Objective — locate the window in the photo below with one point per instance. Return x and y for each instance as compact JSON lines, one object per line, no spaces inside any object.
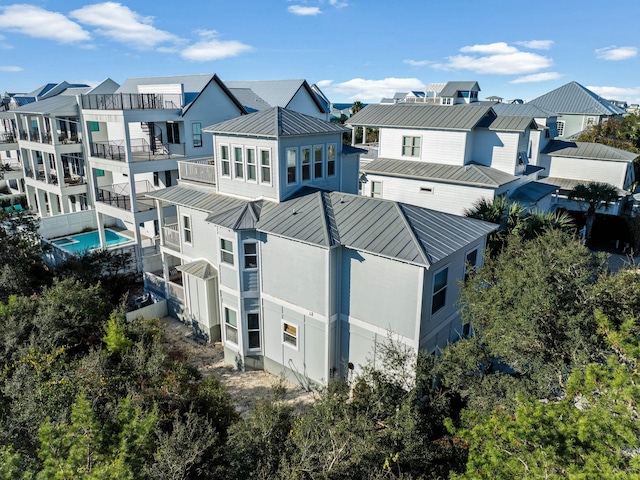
{"x":156,"y":179}
{"x":173,"y":132}
{"x":446,"y":101}
{"x":290,"y":334}
{"x":305,"y":153}
{"x":94,"y":126}
{"x":471,"y":260}
{"x":411,"y":146}
{"x":591,"y":121}
{"x":318,"y":161}
{"x":291,"y":166}
{"x":439,"y":298}
{"x":560,"y":128}
{"x":376,"y":189}
{"x":225,"y":165}
{"x":186,"y":228}
{"x":196,"y":130}
{"x":251,"y":255}
{"x":99,"y":172}
{"x":231,"y":325}
{"x":253,"y":329}
{"x":265,"y":166}
{"x":238,"y":169}
{"x":226,"y":251}
{"x":331,"y":160}
{"x":251,"y":164}
{"x":167,"y":178}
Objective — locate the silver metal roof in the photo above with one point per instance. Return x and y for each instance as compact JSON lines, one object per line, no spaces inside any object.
{"x":450,"y":89}
{"x":573,"y":98}
{"x":522,"y":109}
{"x":58,"y":105}
{"x":593,"y":151}
{"x":510,"y":123}
{"x":533,"y":191}
{"x":250,"y":99}
{"x":190,"y":83}
{"x":473,"y":175}
{"x":566,"y":184}
{"x":200,"y":268}
{"x":276,"y":122}
{"x":381,"y":227}
{"x":277,"y":93}
{"x":417,"y":115}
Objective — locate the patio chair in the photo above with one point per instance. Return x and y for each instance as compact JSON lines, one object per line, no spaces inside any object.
{"x":18,"y":208}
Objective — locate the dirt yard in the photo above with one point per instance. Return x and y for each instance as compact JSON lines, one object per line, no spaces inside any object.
{"x":245,"y":387}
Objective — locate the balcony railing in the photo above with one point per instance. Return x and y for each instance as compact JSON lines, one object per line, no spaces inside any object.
{"x":65,"y":138}
{"x":122,"y":201}
{"x":132,"y":101}
{"x":171,"y":236}
{"x":203,"y":171}
{"x":110,"y":151}
{"x":8,"y":138}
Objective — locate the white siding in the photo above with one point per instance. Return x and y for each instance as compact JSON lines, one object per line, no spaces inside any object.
{"x":588,"y":170}
{"x":498,"y":150}
{"x":436,"y":146}
{"x":303,"y":103}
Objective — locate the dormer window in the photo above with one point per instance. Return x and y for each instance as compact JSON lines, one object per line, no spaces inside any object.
{"x":446,"y":101}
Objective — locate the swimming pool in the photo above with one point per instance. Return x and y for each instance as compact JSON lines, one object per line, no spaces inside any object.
{"x":83,"y":242}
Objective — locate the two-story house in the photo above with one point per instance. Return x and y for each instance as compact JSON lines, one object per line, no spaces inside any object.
{"x":294,"y":272}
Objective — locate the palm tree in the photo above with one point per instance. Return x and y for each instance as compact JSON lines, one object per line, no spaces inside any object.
{"x":356,"y":107}
{"x":594,"y":195}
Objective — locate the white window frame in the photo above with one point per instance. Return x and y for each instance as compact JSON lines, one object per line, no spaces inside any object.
{"x":195,"y":135}
{"x":317,"y":163}
{"x":187,"y":229}
{"x":226,"y":255}
{"x":309,"y":165}
{"x":412,"y":146}
{"x":228,"y":326}
{"x":288,"y":166}
{"x":375,"y":194}
{"x":296,"y":336}
{"x":560,"y":127}
{"x":264,"y":166}
{"x":238,"y":166}
{"x":224,"y":160}
{"x":253,"y":179}
{"x":253,"y":330}
{"x":331,"y":158}
{"x":442,"y":289}
{"x":245,"y":255}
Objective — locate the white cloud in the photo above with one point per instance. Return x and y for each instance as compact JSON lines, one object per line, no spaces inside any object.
{"x":300,"y":10}
{"x":496,"y":58}
{"x":122,"y":24}
{"x":324,"y":83}
{"x":538,"y":77}
{"x":338,"y":3}
{"x":616,"y":53}
{"x":628,"y":94}
{"x":10,"y":68}
{"x":40,"y":23}
{"x":498,"y":48}
{"x":536,"y":44}
{"x":372,"y":90}
{"x":214,"y":50}
{"x":417,"y":63}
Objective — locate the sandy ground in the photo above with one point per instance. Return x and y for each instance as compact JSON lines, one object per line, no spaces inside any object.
{"x":245,"y":387}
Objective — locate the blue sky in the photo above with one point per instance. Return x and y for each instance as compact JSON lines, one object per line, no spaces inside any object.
{"x":353,"y":49}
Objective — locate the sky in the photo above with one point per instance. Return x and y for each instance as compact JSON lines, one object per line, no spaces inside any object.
{"x":352,"y":49}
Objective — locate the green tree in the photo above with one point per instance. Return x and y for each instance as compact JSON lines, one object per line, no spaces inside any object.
{"x":356,"y":107}
{"x":593,"y":195}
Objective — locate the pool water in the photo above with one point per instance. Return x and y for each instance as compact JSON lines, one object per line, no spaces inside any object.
{"x":83,"y":242}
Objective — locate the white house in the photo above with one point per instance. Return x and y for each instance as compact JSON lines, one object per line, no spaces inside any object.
{"x":295,"y":273}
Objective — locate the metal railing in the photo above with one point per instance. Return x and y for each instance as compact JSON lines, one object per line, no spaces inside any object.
{"x":131,"y":101}
{"x":8,"y":138}
{"x":122,"y":201}
{"x":110,"y":151}
{"x":203,"y":171}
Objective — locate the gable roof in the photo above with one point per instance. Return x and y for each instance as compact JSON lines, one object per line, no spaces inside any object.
{"x":573,"y":98}
{"x":427,"y":116}
{"x":277,"y":93}
{"x":200,"y":268}
{"x":450,"y":89}
{"x":276,"y":122}
{"x":592,"y":151}
{"x":249,"y":99}
{"x":508,"y":123}
{"x":59,"y":105}
{"x":403,"y":232}
{"x":526,"y":109}
{"x":472,"y":175}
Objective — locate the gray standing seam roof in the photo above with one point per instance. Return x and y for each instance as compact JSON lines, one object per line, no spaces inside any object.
{"x":67,"y":103}
{"x":533,"y":191}
{"x":567,"y":184}
{"x":510,"y":123}
{"x":428,"y":116}
{"x":190,"y":83}
{"x":587,"y":150}
{"x":199,"y":268}
{"x":522,"y":109}
{"x":277,"y":93}
{"x":450,"y":89}
{"x":472,"y":175}
{"x":573,"y":98}
{"x":381,"y":227}
{"x":276,"y":122}
{"x":250,"y":99}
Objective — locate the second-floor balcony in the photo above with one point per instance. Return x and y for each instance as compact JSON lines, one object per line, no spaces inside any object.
{"x":119,"y":196}
{"x":141,"y":150}
{"x":132,"y":101}
{"x":202,"y":171}
{"x":172,"y":236}
{"x":8,"y":137}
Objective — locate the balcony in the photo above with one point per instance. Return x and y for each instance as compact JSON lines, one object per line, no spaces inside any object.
{"x":141,"y":150}
{"x":119,"y":196}
{"x":132,"y":101}
{"x":8,"y":138}
{"x":202,"y":171}
{"x":110,"y":151}
{"x":172,"y":236}
{"x":67,"y":139}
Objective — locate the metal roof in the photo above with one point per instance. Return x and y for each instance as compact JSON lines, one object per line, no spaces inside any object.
{"x":473,"y":175}
{"x":417,"y":115}
{"x":276,"y":122}
{"x":573,"y":98}
{"x":277,"y":93}
{"x":567,"y":184}
{"x":533,"y":191}
{"x":190,"y":83}
{"x":390,"y":229}
{"x":592,"y":151}
{"x":508,"y":123}
{"x":435,"y":87}
{"x":450,"y":89}
{"x":522,"y":109}
{"x":249,"y":99}
{"x":200,"y":268}
{"x":60,"y":104}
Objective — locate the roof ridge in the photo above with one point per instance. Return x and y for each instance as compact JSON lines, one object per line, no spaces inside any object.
{"x":412,"y":234}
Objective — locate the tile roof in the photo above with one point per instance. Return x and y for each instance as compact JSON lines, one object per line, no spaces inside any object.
{"x":593,"y":151}
{"x":416,"y":115}
{"x":274,"y":123}
{"x":472,"y":174}
{"x":573,"y":98}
